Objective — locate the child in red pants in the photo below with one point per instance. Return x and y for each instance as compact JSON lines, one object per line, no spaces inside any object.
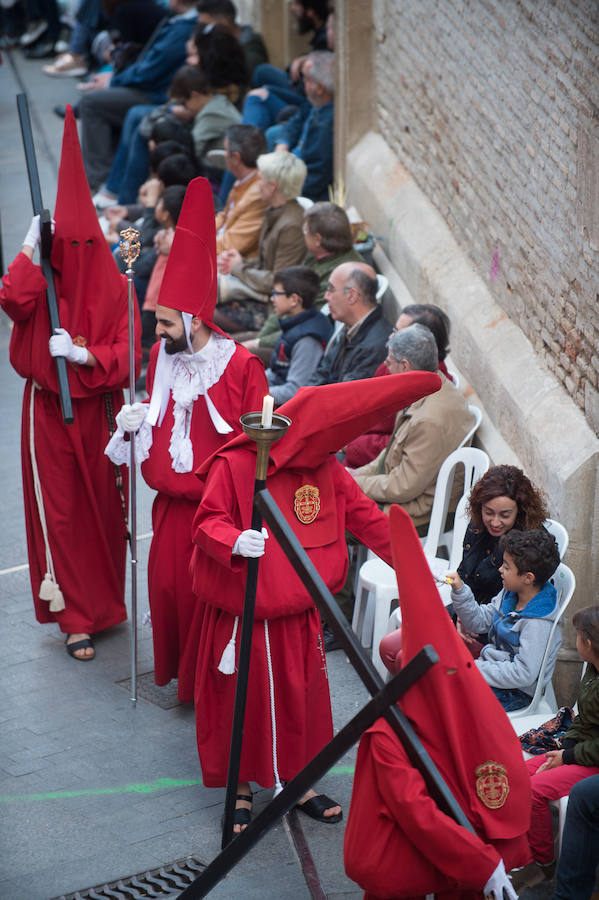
{"x":554,"y":773}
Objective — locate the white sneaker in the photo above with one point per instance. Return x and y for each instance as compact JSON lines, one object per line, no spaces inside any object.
{"x":67,"y":64}
{"x":33,"y":32}
{"x":103,"y":201}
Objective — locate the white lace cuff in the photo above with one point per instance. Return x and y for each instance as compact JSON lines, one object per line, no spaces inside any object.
{"x":119,"y":450}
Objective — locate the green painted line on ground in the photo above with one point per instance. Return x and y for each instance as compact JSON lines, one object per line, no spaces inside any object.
{"x":161,"y":784}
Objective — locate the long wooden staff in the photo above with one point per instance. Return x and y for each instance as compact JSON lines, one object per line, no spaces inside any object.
{"x":264,"y":435}
{"x":130,"y":246}
{"x":45,"y":250}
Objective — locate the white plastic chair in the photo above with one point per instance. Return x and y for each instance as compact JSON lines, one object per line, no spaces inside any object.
{"x":559,"y":533}
{"x":543,"y":700}
{"x":382,"y":285}
{"x":476,"y":463}
{"x":377,"y":588}
{"x":478,"y":417}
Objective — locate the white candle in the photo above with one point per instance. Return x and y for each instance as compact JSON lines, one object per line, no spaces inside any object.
{"x":267,"y":408}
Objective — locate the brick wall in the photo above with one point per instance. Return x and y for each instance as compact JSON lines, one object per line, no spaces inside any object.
{"x":493,"y":107}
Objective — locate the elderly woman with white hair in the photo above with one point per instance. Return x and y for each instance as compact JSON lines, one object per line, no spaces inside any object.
{"x":244,"y":285}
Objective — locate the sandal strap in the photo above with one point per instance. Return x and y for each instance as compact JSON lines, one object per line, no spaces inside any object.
{"x":246,"y":797}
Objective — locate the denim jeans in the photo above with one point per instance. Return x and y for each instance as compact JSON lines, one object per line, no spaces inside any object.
{"x":511,"y":699}
{"x":129,"y":167}
{"x":575,"y":877}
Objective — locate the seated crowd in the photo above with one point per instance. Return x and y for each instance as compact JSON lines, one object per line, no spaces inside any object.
{"x":195,"y":95}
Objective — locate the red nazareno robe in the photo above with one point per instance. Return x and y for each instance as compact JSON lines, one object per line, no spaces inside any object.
{"x":408,"y":847}
{"x":240,"y":389}
{"x":287,"y":639}
{"x":84,"y":515}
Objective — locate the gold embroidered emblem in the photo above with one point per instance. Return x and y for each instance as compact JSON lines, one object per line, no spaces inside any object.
{"x":306,"y":503}
{"x":80,"y":341}
{"x":492,"y":784}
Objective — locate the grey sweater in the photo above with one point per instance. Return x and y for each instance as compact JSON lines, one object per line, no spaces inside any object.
{"x":517,"y":640}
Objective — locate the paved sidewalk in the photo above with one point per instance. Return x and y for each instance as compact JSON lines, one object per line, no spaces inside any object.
{"x":91,"y":789}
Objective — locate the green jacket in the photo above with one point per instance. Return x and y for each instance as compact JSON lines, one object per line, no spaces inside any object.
{"x":585,"y":727}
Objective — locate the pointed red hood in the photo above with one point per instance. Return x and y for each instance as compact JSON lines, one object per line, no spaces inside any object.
{"x":454,"y":711}
{"x":326,"y":418}
{"x":88,"y":280}
{"x":190,"y":282}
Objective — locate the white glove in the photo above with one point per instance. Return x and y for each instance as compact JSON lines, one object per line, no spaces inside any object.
{"x":61,"y":344}
{"x":130,"y":418}
{"x":499,"y":885}
{"x":33,"y":236}
{"x":250,"y":543}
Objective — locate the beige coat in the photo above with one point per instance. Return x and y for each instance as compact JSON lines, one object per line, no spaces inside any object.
{"x":281,"y":245}
{"x":241,"y":219}
{"x":424,"y":435}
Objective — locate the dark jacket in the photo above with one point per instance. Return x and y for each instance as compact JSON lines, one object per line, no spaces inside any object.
{"x":479,"y":568}
{"x":349,"y":359}
{"x":154,"y":70}
{"x":581,"y":740}
{"x":309,"y":135}
{"x":310,"y":323}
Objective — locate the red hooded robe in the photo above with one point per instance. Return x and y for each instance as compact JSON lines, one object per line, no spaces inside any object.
{"x":82,"y":506}
{"x":398,"y":843}
{"x":288,"y":715}
{"x":190,"y":286}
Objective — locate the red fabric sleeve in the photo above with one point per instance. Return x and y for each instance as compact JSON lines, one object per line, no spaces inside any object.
{"x":22,"y":287}
{"x":368,"y":446}
{"x":363,"y":518}
{"x":214,"y":529}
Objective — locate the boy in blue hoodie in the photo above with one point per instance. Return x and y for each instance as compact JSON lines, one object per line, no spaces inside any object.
{"x":518,"y":620}
{"x":305,"y":331}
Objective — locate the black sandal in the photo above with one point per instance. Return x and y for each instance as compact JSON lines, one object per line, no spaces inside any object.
{"x":243,"y":816}
{"x":80,"y":645}
{"x":316,"y":807}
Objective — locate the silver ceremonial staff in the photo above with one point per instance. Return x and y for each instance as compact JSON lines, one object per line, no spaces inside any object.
{"x":130,"y":245}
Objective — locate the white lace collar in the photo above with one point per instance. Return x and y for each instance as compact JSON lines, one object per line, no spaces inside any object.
{"x":188,"y":376}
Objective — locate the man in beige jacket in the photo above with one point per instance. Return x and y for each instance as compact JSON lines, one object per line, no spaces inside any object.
{"x":238,"y":224}
{"x":425,"y":433}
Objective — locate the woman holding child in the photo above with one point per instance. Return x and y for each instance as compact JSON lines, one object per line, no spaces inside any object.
{"x":504,"y":498}
{"x":518,"y":619}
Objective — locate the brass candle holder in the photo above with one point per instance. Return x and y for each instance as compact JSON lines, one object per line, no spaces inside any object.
{"x":264,"y":437}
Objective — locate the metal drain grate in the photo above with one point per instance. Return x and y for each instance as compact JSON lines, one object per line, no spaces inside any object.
{"x":168,"y":881}
{"x":164,"y":697}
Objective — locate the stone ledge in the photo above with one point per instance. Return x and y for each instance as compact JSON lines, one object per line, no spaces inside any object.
{"x":525,"y":405}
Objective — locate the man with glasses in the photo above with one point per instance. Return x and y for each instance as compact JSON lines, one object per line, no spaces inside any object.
{"x":361,"y":344}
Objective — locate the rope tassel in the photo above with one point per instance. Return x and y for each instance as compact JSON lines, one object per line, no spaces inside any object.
{"x":227,"y":660}
{"x":49,"y":589}
{"x":50,"y":592}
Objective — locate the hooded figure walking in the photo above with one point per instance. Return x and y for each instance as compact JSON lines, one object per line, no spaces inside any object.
{"x":74,"y":498}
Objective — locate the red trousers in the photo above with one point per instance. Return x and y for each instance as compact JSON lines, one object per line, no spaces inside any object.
{"x":546,"y":786}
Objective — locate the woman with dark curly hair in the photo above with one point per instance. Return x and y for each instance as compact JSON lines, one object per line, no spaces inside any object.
{"x":504,"y":498}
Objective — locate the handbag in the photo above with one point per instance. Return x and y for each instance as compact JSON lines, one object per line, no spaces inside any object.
{"x":549,"y":735}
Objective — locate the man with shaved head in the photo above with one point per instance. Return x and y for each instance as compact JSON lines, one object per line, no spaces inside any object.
{"x":360,"y":346}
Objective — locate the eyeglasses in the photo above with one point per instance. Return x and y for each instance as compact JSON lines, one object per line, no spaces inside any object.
{"x":278,"y":293}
